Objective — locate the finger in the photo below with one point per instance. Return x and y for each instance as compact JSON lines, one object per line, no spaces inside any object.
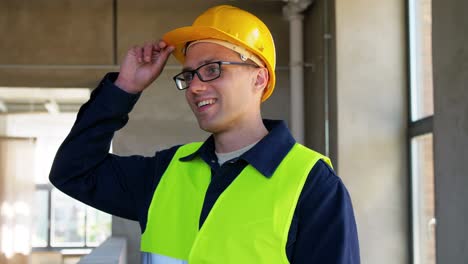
{"x":162,"y":54}
{"x":138,"y":51}
{"x":169,"y":50}
{"x":161,"y":57}
{"x":156,"y":46}
{"x":147,"y":52}
{"x":156,"y":50}
{"x":162,"y":44}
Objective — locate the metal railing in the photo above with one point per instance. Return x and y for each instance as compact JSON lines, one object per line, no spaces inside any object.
{"x":111,"y":251}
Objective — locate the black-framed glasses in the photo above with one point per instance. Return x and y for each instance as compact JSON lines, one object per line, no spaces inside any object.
{"x":206,"y":72}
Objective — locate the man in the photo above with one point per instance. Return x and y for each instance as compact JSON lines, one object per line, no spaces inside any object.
{"x":248,"y":194}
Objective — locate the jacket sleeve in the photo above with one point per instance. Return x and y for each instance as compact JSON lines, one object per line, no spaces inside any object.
{"x":326,"y":231}
{"x":84,"y":169}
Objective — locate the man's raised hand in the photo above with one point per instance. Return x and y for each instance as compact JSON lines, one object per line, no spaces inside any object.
{"x":142,"y":65}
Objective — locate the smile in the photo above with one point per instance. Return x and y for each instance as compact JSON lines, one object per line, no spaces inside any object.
{"x":206,"y":102}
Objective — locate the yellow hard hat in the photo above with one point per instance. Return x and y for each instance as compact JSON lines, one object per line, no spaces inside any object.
{"x":233,"y":25}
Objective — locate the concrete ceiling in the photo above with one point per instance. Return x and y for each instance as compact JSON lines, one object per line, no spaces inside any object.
{"x":27,"y":99}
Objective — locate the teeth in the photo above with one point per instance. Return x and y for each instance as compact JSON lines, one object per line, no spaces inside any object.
{"x":205,"y":102}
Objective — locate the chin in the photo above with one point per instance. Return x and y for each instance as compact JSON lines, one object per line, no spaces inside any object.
{"x":207,"y":128}
{"x":210,"y":127}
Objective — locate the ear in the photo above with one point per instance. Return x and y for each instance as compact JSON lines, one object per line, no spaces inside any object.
{"x":261,"y":80}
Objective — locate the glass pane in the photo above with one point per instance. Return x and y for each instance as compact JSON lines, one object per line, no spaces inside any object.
{"x":46,"y":148}
{"x":98,"y":226}
{"x":423,"y":199}
{"x":422,"y":99}
{"x":41,"y":220}
{"x":68,"y":221}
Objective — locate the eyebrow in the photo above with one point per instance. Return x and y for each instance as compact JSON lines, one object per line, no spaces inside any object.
{"x":203,"y":62}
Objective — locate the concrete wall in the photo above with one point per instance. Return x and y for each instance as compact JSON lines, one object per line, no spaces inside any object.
{"x":450,"y":66}
{"x":55,"y":43}
{"x":371,"y":120}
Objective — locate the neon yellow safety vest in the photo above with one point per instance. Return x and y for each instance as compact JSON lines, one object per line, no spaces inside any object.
{"x":249,"y":223}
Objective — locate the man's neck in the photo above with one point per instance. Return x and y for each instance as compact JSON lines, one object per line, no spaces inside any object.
{"x":240,"y":137}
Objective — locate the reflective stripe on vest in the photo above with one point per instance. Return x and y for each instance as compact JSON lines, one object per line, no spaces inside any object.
{"x":249,"y":223}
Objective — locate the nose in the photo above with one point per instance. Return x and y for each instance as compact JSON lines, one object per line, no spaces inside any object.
{"x":196,"y":86}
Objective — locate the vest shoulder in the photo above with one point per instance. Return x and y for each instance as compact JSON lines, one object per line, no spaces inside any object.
{"x":307,"y":151}
{"x":192,"y":144}
{"x":187,"y":149}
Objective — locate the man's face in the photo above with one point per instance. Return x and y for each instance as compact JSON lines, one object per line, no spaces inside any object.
{"x":228,"y":102}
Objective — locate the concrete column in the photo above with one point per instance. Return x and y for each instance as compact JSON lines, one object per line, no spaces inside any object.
{"x":371,"y":118}
{"x":293,"y":12}
{"x":450,"y":67}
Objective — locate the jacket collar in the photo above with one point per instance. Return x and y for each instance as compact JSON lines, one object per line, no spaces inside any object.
{"x":265,"y":156}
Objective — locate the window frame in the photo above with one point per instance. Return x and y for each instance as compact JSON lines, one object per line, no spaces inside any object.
{"x":417,"y":126}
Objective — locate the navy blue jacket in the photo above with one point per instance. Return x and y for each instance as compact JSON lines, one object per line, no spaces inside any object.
{"x":323,"y":229}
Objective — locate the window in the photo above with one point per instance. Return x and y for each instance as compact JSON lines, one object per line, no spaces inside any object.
{"x":63,"y":222}
{"x":421,"y":147}
{"x":46,"y":116}
{"x":41,"y":216}
{"x":422,"y":100}
{"x":73,"y":224}
{"x":423,"y":197}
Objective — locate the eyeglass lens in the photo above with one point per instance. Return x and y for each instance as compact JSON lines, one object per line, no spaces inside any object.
{"x":205,"y":73}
